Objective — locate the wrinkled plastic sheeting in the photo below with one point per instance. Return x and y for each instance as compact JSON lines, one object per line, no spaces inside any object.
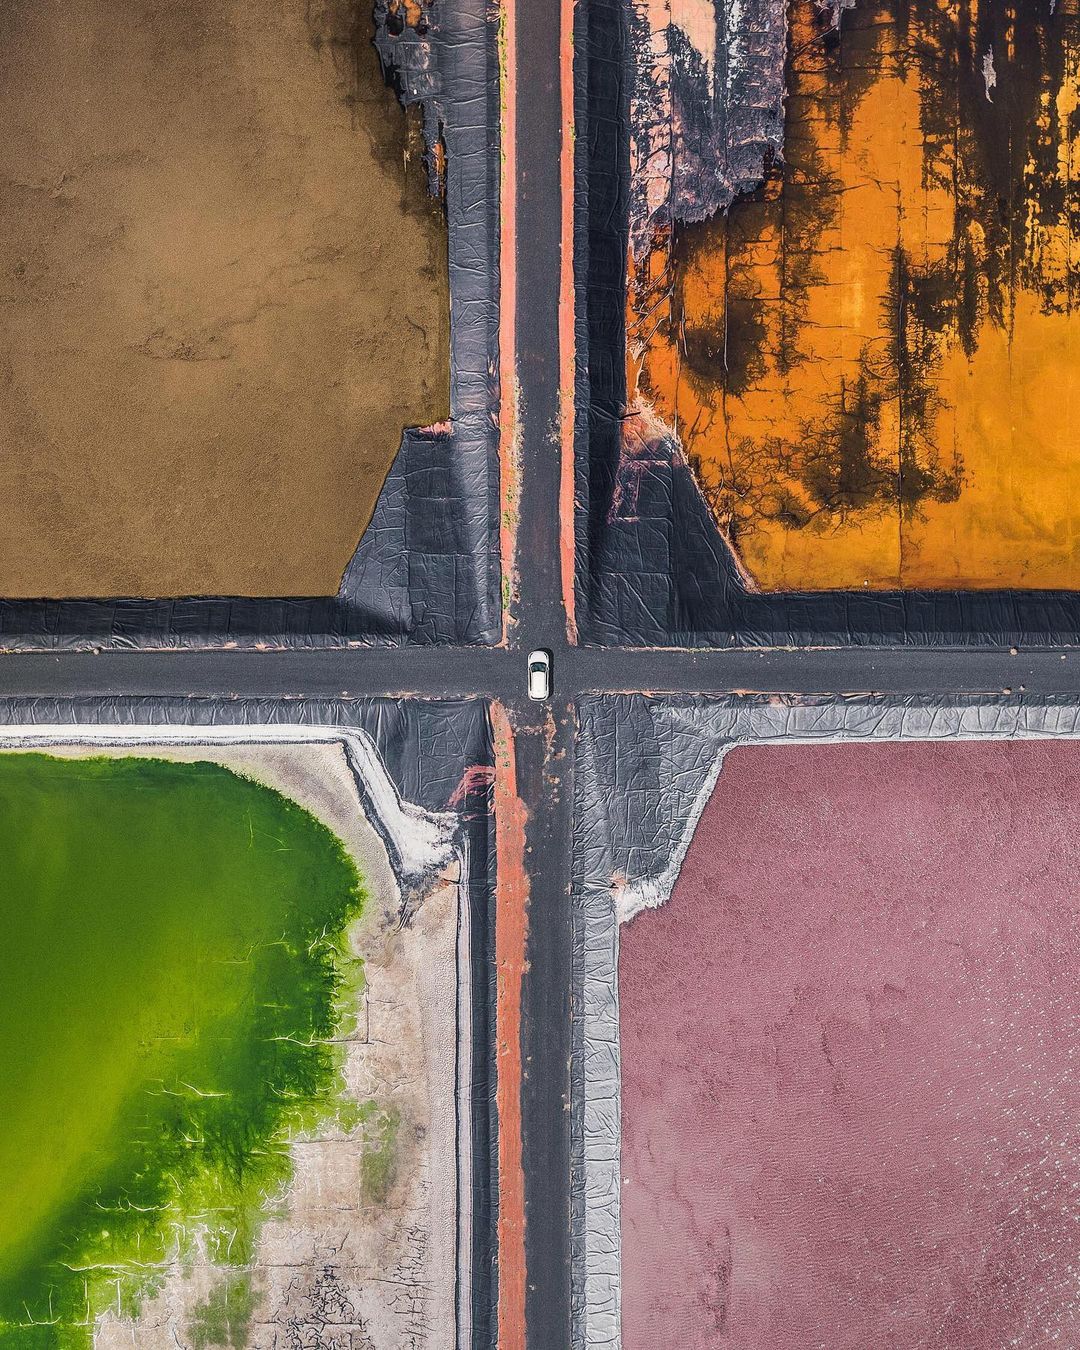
{"x":652,"y":569}
{"x":438,"y":757}
{"x":427,"y":567}
{"x":644,"y":771}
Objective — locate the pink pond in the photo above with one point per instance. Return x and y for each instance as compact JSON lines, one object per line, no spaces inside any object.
{"x":851,"y":1057}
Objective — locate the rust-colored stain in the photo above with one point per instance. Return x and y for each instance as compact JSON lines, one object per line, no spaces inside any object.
{"x":871,"y":360}
{"x":511,"y":926}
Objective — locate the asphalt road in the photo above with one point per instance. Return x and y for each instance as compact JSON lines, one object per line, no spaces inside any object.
{"x":544,"y":733}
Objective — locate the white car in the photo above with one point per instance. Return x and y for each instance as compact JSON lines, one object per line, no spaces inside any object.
{"x":539,"y":674}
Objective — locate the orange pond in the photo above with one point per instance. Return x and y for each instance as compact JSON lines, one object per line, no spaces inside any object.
{"x":872,"y":362}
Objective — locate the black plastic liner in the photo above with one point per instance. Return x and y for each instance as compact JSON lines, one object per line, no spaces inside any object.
{"x":440,"y":757}
{"x":663,"y":576}
{"x":427,"y":568}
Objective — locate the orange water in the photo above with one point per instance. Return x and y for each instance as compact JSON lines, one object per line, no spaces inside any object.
{"x":798,"y":281}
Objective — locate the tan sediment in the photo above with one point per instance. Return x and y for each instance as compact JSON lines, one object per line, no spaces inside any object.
{"x":394,"y":1259}
{"x":223,"y":290}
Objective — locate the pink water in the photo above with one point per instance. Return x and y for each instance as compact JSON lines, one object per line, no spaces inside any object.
{"x":851,"y":1057}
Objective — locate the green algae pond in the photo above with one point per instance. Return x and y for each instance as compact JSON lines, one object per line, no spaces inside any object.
{"x":174,"y":968}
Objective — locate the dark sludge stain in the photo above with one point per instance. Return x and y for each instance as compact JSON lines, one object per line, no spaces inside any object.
{"x":726,"y":348}
{"x":346,"y":28}
{"x":730,"y":349}
{"x":987,"y":75}
{"x":985,"y":79}
{"x":919,"y":304}
{"x":842,"y":468}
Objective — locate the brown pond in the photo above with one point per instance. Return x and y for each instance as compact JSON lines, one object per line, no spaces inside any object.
{"x":224,"y":295}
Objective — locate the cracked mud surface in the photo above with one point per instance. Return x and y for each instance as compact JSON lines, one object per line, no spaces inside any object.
{"x":848,"y":1056}
{"x":224,"y":295}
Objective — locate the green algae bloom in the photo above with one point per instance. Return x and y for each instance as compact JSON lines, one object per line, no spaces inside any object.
{"x":173,"y":968}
